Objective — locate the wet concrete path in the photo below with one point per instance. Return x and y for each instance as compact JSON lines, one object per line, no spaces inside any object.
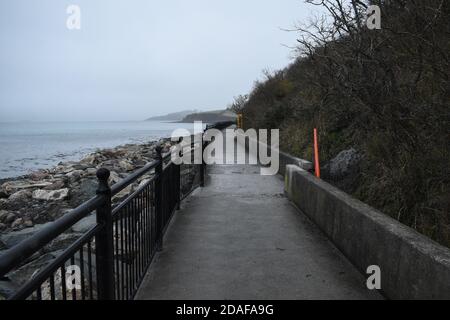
{"x":239,"y":237}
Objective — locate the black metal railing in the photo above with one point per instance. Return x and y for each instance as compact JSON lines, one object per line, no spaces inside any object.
{"x":111,"y":259}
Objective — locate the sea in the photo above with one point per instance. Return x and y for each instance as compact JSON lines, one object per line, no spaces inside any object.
{"x":28,"y":146}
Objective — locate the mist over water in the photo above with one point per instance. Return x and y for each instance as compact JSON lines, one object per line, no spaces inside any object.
{"x":29,"y":146}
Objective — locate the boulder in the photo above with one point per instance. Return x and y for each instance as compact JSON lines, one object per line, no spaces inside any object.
{"x":12,"y":281}
{"x":28,"y":224}
{"x":12,"y":187}
{"x":85,"y":224}
{"x":126,"y":165}
{"x":74,"y":175}
{"x":343,"y":164}
{"x":85,"y":191}
{"x":143,"y":183}
{"x":343,"y":170}
{"x":3,"y":203}
{"x":124,"y":193}
{"x":63,"y":168}
{"x":91,"y":171}
{"x":57,"y":185}
{"x":63,"y":241}
{"x":80,"y":166}
{"x":114,"y":178}
{"x":92,"y":159}
{"x":3,"y":215}
{"x":10,"y":217}
{"x":13,"y":238}
{"x":21,"y":195}
{"x":17,"y":223}
{"x":53,"y":195}
{"x":38,"y":175}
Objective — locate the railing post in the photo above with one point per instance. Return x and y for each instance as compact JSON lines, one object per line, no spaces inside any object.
{"x":178,"y":168}
{"x":159,"y":199}
{"x":202,"y":165}
{"x":104,"y":251}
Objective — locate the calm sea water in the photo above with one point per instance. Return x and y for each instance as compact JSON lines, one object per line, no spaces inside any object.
{"x":26,"y":147}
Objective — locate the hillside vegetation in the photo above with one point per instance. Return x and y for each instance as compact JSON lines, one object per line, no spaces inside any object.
{"x":385,"y":93}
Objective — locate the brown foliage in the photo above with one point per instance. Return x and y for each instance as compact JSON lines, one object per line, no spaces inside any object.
{"x":385,"y":92}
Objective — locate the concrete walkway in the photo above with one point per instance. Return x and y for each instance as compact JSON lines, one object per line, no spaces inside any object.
{"x":241,"y":238}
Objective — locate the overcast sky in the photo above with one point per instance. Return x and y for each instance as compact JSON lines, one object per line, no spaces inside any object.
{"x":136,"y":58}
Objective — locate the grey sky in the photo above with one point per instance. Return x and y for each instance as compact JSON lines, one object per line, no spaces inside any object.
{"x":136,"y":58}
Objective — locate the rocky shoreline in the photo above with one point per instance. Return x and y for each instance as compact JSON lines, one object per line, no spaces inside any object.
{"x":29,"y":202}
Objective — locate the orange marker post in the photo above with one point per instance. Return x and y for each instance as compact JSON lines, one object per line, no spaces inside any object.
{"x":316,"y":154}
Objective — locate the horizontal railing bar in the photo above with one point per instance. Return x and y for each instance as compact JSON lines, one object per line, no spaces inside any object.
{"x":17,"y":254}
{"x":115,"y":189}
{"x":13,"y":257}
{"x":29,"y":287}
{"x":131,"y":196}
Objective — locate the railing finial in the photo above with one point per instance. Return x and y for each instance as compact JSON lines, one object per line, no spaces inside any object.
{"x":103,"y":176}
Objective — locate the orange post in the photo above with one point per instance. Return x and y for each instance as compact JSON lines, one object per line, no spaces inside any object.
{"x":316,"y":154}
{"x":240,"y":122}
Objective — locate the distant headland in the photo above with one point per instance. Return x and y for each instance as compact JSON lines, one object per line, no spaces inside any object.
{"x":190,"y":116}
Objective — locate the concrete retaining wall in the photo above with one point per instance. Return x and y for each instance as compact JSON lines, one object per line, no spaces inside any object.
{"x":412,"y":265}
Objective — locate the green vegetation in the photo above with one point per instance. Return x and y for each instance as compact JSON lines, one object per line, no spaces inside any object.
{"x":385,"y":93}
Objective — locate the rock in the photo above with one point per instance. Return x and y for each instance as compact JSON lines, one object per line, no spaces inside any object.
{"x":7,"y":288}
{"x":54,"y":195}
{"x":28,"y":224}
{"x":92,"y":159}
{"x":63,"y":241}
{"x":59,"y":184}
{"x":124,"y":193}
{"x":80,"y":166}
{"x":63,"y":168}
{"x":3,"y":203}
{"x":12,"y":187}
{"x":38,"y":175}
{"x":10,"y":218}
{"x":84,"y":192}
{"x":26,"y":272}
{"x":91,"y":171}
{"x":112,"y":165}
{"x":22,"y":195}
{"x":113,"y":178}
{"x":140,"y":163}
{"x":74,"y":175}
{"x":343,"y":170}
{"x":85,"y":224}
{"x":343,"y":163}
{"x":13,"y":238}
{"x":17,"y":223}
{"x":143,"y":182}
{"x":3,"y":215}
{"x":2,"y":227}
{"x":3,"y":194}
{"x":126,"y":165}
